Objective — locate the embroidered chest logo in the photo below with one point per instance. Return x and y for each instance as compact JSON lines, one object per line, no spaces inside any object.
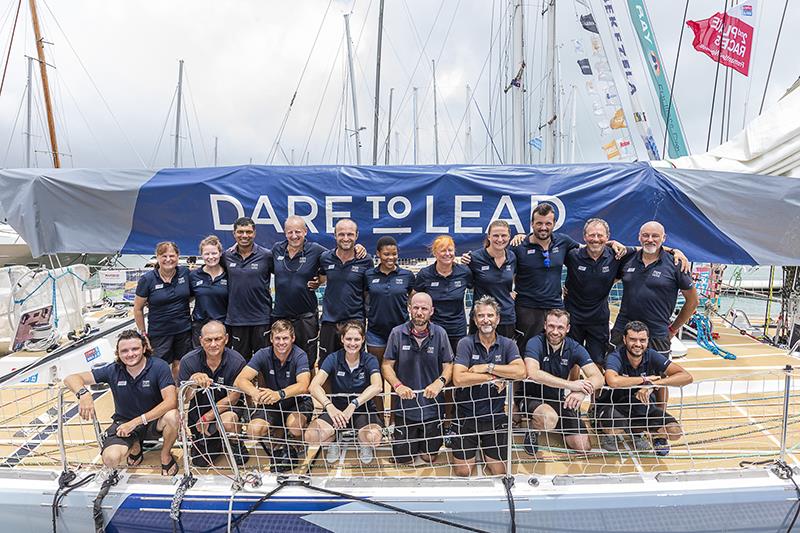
{"x":582,"y":268}
{"x":146,"y":383}
{"x":656,"y":274}
{"x":181,"y":280}
{"x":231,"y":265}
{"x":632,"y":269}
{"x":279,"y":258}
{"x":197,"y":284}
{"x":331,"y":267}
{"x":405,"y":347}
{"x":485,"y":267}
{"x":457,"y":284}
{"x":158,"y":286}
{"x":434,"y":284}
{"x":498,"y":357}
{"x":223,"y":282}
{"x":254,"y":266}
{"x":301,"y":260}
{"x":605,"y":269}
{"x":376,"y":280}
{"x":354,"y":269}
{"x":121,"y":383}
{"x":399,"y":281}
{"x":430,"y":349}
{"x":220,"y":379}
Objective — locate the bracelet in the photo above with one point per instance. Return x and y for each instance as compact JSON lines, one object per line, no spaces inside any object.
{"x":144,"y":420}
{"x":398,"y":384}
{"x":326,"y":405}
{"x":672,"y":330}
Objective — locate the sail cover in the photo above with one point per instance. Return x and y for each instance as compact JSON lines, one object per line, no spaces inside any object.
{"x":712,"y":216}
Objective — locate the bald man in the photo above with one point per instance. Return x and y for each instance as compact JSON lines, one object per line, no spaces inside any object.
{"x":651,"y":281}
{"x":417,"y":364}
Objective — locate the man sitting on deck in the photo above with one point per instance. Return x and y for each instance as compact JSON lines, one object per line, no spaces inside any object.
{"x":480,"y":359}
{"x":418,"y":356}
{"x":213,"y":364}
{"x":634,"y":409}
{"x":549,"y":357}
{"x":145,"y":402}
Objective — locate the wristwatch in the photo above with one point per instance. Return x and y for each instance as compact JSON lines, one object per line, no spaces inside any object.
{"x":490,"y":368}
{"x":282,"y":394}
{"x":81,"y":392}
{"x":354,"y":401}
{"x":443,"y":380}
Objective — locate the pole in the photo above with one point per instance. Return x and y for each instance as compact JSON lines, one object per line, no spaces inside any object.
{"x":468,"y":128}
{"x":551,"y":95}
{"x":416,"y":127}
{"x":769,"y":301}
{"x":377,"y":87}
{"x":48,"y":103}
{"x":178,"y":115}
{"x":389,"y":130}
{"x":353,"y":88}
{"x":510,"y":428}
{"x":573,"y":125}
{"x":216,"y":149}
{"x":518,"y":151}
{"x":435,"y":118}
{"x":787,"y":389}
{"x":28,"y":121}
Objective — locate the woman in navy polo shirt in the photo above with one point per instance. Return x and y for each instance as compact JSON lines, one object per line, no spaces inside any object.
{"x":447,"y":283}
{"x":209,"y":285}
{"x":493,"y":267}
{"x":355,"y":381}
{"x":165,"y":292}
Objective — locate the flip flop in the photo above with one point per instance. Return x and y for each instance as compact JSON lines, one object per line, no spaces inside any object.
{"x":166,"y":469}
{"x":135,"y":459}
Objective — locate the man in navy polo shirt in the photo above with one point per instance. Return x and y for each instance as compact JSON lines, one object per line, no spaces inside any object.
{"x":635,"y":409}
{"x":249,"y":300}
{"x":650,"y":285}
{"x":549,"y":358}
{"x":213,"y":364}
{"x":283,"y":367}
{"x":418,"y":365}
{"x":145,"y":402}
{"x":345,"y":286}
{"x":480,"y":359}
{"x":296,"y":262}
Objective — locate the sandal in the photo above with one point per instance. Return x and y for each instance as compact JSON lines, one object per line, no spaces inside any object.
{"x":135,"y":459}
{"x":167,"y":469}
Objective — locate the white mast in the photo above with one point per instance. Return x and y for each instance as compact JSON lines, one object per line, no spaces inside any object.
{"x":389,"y":128}
{"x":519,"y":152}
{"x":573,"y":124}
{"x":551,"y":94}
{"x":356,"y":128}
{"x":28,"y":123}
{"x":178,"y":114}
{"x":216,"y":149}
{"x":416,"y":127}
{"x":468,"y":128}
{"x":435,"y":118}
{"x":377,"y":87}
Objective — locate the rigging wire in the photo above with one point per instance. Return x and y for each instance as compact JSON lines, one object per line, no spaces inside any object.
{"x":10,"y":45}
{"x":13,"y":129}
{"x":282,"y":127}
{"x":772,"y":60}
{"x":189,"y":135}
{"x":716,"y":76}
{"x":322,"y":96}
{"x":196,"y":115}
{"x":674,"y":76}
{"x":163,"y":130}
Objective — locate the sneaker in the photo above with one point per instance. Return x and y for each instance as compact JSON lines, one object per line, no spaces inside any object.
{"x":280,"y":461}
{"x":450,"y":434}
{"x":365,"y":454}
{"x":240,"y":453}
{"x":640,"y":444}
{"x":531,"y":442}
{"x":332,"y":454}
{"x":661,"y":446}
{"x":610,"y":443}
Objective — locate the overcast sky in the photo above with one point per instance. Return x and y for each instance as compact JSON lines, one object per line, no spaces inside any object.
{"x":116,"y":66}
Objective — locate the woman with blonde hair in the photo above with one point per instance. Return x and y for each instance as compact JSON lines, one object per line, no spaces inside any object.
{"x":209,"y":285}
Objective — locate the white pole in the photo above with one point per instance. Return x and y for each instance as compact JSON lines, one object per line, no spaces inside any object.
{"x":216,"y":150}
{"x":573,"y":124}
{"x":416,"y":128}
{"x":518,"y":145}
{"x":435,"y":118}
{"x":389,"y":128}
{"x":28,"y":123}
{"x":353,"y":88}
{"x":468,"y":128}
{"x":178,"y":115}
{"x":551,"y":96}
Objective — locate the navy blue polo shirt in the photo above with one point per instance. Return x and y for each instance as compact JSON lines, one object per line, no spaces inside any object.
{"x":249,"y":298}
{"x":167,"y":303}
{"x":350,"y":382}
{"x":588,"y":283}
{"x":133,"y":397}
{"x":210,"y":295}
{"x":497,"y":282}
{"x":539,"y":287}
{"x":278,"y":376}
{"x":195,"y":361}
{"x":484,"y":399}
{"x":293,"y":298}
{"x":417,"y":365}
{"x":649,"y":294}
{"x":447,"y":294}
{"x":344,"y":288}
{"x":556,"y":363}
{"x":388,"y":299}
{"x":652,"y":364}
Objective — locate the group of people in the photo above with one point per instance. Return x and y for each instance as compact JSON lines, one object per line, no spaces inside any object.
{"x":383,"y":326}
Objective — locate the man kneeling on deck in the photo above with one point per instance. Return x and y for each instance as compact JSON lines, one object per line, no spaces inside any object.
{"x":145,"y":402}
{"x":418,"y":356}
{"x":286,"y":376}
{"x":213,"y":364}
{"x":480,"y":359}
{"x":549,"y":357}
{"x":633,"y":370}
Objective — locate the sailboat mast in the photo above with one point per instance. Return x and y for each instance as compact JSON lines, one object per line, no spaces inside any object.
{"x":28,"y":121}
{"x":518,"y":145}
{"x":435,"y":118}
{"x":389,"y":128}
{"x":551,"y":94}
{"x":178,"y":115}
{"x":356,"y":129}
{"x":468,"y":128}
{"x":377,"y":87}
{"x":573,"y":124}
{"x":51,"y":123}
{"x":416,"y":126}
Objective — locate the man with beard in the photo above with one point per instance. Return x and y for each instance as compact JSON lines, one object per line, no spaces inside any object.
{"x":249,"y":300}
{"x":345,"y":286}
{"x":549,"y":357}
{"x":418,"y":357}
{"x":145,"y":402}
{"x":483,"y":358}
{"x":635,"y":409}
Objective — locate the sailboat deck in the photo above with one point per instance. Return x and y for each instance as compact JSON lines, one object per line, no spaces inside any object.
{"x":732,"y":413}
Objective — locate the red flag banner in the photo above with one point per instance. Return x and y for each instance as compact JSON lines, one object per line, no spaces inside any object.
{"x":736,"y":41}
